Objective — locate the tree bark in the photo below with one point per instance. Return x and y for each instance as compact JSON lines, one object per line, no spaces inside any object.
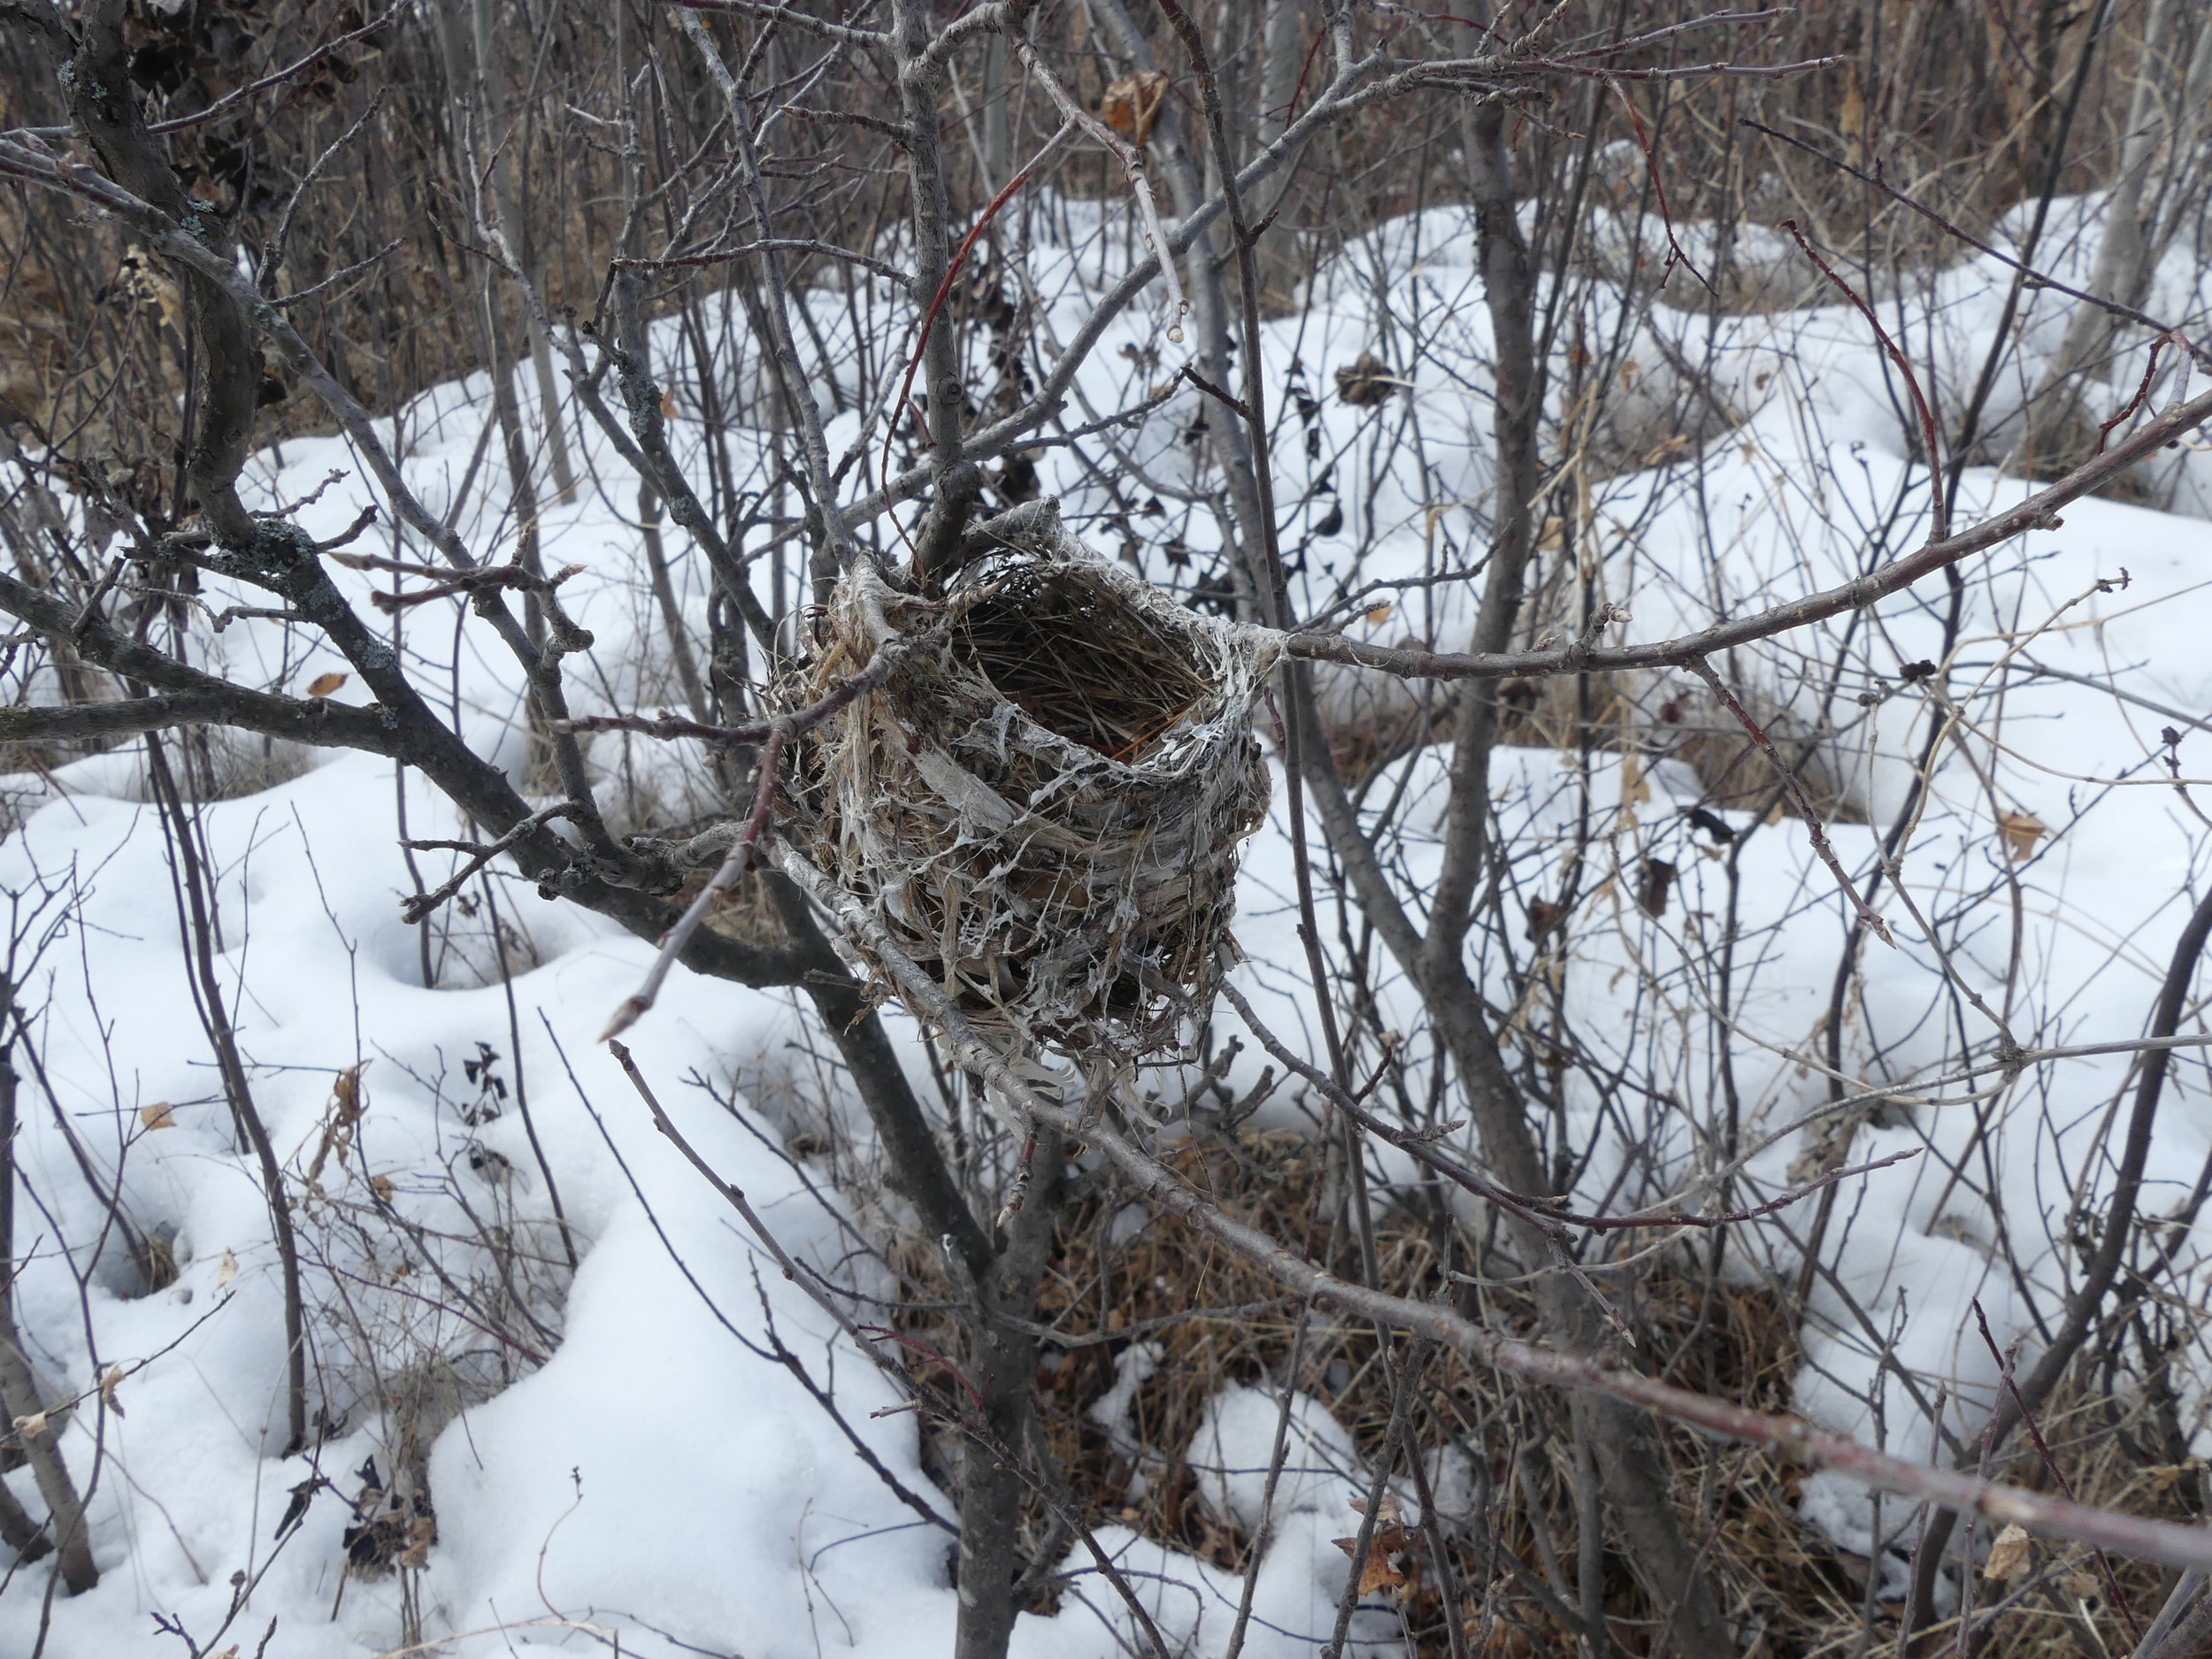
{"x":1002,"y":1363}
{"x":2163,"y":120}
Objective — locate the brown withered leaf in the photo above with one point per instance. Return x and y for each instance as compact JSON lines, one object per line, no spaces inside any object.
{"x":1365,"y":382}
{"x":1543,"y":915}
{"x":1655,"y":881}
{"x":323,"y":685}
{"x":1378,"y":1574}
{"x":422,"y":1531}
{"x":157,"y":1115}
{"x":226,"y":1270}
{"x":1388,"y":1566}
{"x":2021,"y":831}
{"x":1131,"y":104}
{"x":108,"y":1384}
{"x":2010,"y":1556}
{"x":345,"y":1089}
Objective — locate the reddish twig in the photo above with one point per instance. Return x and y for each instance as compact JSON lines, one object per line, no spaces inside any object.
{"x":2035,"y":1433}
{"x":1942,"y":506}
{"x":886,"y":1334}
{"x":952,"y":273}
{"x":2029,"y":276}
{"x":1659,"y":188}
{"x":2171,"y":337}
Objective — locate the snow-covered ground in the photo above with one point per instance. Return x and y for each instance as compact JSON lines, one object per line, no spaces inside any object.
{"x":632,"y":1457}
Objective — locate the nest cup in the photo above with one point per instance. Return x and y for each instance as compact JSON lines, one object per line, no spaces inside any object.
{"x":1045,"y":802}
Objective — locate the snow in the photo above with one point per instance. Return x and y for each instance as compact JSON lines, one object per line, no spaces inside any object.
{"x":648,"y":1465}
{"x":1233,"y":1449}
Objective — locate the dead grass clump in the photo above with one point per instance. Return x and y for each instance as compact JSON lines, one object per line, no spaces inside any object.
{"x":2119,"y":1448}
{"x":1154,"y":1320}
{"x":1045,"y":803}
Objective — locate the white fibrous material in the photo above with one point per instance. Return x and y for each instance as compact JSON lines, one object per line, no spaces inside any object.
{"x":1045,"y":802}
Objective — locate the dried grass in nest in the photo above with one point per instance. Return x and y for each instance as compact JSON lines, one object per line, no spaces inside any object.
{"x":1045,"y":803}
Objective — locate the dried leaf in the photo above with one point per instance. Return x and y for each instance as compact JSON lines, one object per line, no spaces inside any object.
{"x":1378,"y":1574}
{"x":422,"y":1531}
{"x":108,"y":1384}
{"x":346,"y":1089}
{"x":1635,"y":788}
{"x":1543,"y":915}
{"x":323,"y":685}
{"x":32,"y":1426}
{"x":1131,"y":104}
{"x":2021,"y":831}
{"x":157,"y":1115}
{"x":1388,"y":1567}
{"x":226,"y":1271}
{"x":2082,"y":1584}
{"x":1366,"y":383}
{"x":1655,"y":881}
{"x":2009,"y":1556}
{"x":1377,"y":615}
{"x":381,"y":1186}
{"x":1851,"y":119}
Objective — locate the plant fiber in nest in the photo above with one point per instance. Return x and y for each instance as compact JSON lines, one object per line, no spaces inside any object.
{"x":1045,"y":802}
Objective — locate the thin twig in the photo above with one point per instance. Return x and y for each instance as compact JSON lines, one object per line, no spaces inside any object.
{"x":1806,"y":809}
{"x":1941,"y":506}
{"x":2039,"y":512}
{"x":418,"y":909}
{"x":1792,"y":1437}
{"x":635,"y":1005}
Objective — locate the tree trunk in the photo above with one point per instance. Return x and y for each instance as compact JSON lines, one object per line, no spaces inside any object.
{"x":1001,"y":1365}
{"x":2163,"y":121}
{"x":21,"y":1397}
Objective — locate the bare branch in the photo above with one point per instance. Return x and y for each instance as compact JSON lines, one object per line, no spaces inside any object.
{"x":1793,"y":1437}
{"x":2039,"y":512}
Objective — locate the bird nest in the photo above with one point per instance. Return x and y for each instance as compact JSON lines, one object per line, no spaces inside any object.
{"x":1044,"y":803}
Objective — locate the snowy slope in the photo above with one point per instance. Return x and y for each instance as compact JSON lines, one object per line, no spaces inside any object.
{"x":638,"y":1459}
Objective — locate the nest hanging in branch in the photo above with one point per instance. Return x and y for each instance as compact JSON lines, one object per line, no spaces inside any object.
{"x":1045,"y":802}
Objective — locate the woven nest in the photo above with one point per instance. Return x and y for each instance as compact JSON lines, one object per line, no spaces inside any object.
{"x":1045,"y":802}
